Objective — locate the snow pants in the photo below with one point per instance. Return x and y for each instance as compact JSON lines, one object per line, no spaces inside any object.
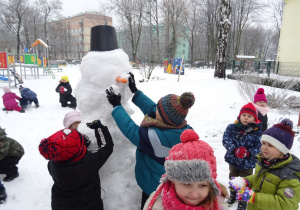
{"x":233,"y":172}
{"x":8,"y":165}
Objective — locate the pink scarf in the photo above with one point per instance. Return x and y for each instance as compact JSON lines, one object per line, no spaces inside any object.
{"x":170,"y":200}
{"x":262,"y":110}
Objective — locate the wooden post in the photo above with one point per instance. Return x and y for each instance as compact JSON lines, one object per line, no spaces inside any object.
{"x":180,"y":68}
{"x":299,"y":120}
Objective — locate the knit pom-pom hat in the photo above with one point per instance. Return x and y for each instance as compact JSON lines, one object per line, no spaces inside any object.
{"x":280,"y":136}
{"x":173,"y":109}
{"x":250,"y":109}
{"x":6,"y":89}
{"x":192,"y":160}
{"x":71,"y":117}
{"x":260,"y":95}
{"x":64,"y":145}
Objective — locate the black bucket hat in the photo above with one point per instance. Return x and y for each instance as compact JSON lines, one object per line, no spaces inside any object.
{"x":103,"y":38}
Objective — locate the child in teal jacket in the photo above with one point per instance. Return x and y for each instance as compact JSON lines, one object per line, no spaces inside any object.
{"x":276,"y":182}
{"x":159,"y":131}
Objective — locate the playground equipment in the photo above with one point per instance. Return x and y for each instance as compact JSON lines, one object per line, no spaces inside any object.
{"x":7,"y":64}
{"x":174,"y":66}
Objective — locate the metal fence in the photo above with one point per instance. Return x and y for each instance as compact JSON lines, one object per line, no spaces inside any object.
{"x":260,"y":67}
{"x":288,"y":68}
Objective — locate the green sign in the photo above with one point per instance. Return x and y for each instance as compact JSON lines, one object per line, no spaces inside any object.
{"x":29,"y":59}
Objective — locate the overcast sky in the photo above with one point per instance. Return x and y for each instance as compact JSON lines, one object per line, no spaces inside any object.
{"x":73,"y":7}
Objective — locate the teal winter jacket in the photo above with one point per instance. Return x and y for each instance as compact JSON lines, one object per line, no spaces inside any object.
{"x":277,"y":187}
{"x":153,"y":144}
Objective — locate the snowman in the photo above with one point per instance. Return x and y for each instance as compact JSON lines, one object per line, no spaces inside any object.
{"x":103,"y":67}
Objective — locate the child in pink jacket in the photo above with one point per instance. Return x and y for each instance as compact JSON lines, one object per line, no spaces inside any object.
{"x":9,"y":101}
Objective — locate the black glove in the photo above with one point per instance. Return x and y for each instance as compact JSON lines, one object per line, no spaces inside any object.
{"x":95,"y":124}
{"x":132,"y":85}
{"x":87,"y":141}
{"x":113,"y":98}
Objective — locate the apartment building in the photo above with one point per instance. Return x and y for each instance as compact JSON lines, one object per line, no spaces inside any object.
{"x":69,"y":38}
{"x":288,"y":59}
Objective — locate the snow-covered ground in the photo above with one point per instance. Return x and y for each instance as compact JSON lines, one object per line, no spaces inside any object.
{"x":217,"y":104}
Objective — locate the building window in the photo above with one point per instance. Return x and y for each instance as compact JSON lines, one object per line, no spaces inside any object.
{"x":183,"y":51}
{"x":183,"y":45}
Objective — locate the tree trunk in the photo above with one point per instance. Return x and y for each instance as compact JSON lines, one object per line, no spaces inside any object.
{"x":224,"y":27}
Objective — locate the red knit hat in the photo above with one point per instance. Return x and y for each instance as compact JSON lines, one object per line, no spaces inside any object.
{"x":64,"y":145}
{"x":192,"y":160}
{"x":260,"y":95}
{"x":250,"y":109}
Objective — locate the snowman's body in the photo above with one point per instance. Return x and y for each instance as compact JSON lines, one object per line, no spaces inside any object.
{"x":99,"y":71}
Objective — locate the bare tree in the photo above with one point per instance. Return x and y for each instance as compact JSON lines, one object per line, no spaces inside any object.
{"x":210,"y":21}
{"x":244,"y":13}
{"x":224,"y":27}
{"x":175,"y":19}
{"x":12,"y":16}
{"x":32,"y":25}
{"x":277,"y":12}
{"x":49,"y":9}
{"x":131,"y":15}
{"x":191,"y":21}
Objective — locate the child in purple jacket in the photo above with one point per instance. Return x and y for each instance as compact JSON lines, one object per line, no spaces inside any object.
{"x":9,"y":101}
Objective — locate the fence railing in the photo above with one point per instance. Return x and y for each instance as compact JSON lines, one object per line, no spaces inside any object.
{"x":288,"y":68}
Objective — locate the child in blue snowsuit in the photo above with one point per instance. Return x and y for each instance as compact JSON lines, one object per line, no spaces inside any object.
{"x":159,"y":131}
{"x":28,"y":96}
{"x":242,"y":142}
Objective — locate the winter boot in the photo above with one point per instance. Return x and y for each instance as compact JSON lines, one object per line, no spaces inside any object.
{"x":37,"y":105}
{"x":9,"y":178}
{"x":232,"y":197}
{"x":4,"y":109}
{"x":3,"y":196}
{"x":242,"y":205}
{"x":22,"y":110}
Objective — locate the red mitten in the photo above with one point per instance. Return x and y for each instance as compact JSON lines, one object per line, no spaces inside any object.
{"x":241,"y":152}
{"x":62,"y":90}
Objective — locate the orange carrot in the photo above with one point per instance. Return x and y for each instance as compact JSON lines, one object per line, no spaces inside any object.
{"x":121,"y":80}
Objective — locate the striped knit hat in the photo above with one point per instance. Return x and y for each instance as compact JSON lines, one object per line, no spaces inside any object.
{"x":250,"y":109}
{"x":173,"y":109}
{"x":280,"y":136}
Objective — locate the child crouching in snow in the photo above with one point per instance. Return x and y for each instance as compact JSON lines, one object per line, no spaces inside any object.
{"x":28,"y":96}
{"x":9,"y":101}
{"x":74,"y":170}
{"x":65,"y":97}
{"x":276,"y":182}
{"x":190,"y":178}
{"x":72,"y":120}
{"x":10,"y":154}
